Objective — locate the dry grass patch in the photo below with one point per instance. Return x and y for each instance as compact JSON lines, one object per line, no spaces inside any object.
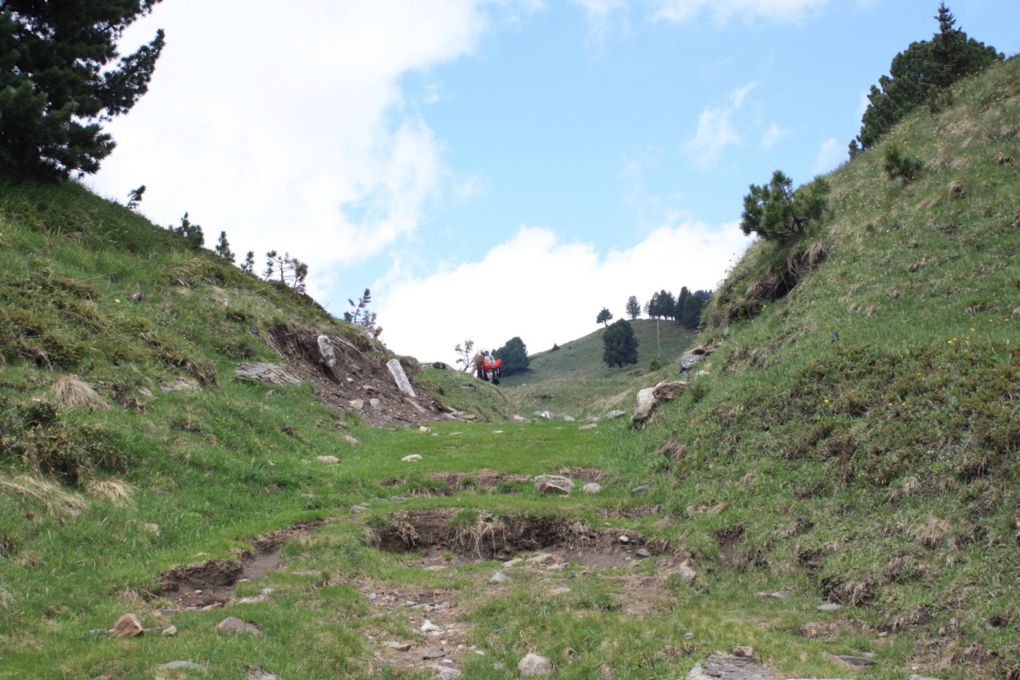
{"x":56,"y":501}
{"x":114,"y":490}
{"x":71,"y":391}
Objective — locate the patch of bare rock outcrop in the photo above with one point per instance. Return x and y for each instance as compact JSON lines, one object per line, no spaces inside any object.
{"x":356,"y":377}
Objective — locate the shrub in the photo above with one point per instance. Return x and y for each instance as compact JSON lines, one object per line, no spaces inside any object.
{"x":778,"y":213}
{"x":897,"y":165}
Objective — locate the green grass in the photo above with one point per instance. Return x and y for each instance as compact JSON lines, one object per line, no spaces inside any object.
{"x":877,"y":469}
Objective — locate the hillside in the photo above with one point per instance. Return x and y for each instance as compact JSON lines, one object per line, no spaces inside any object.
{"x":574,"y":380}
{"x":836,"y":487}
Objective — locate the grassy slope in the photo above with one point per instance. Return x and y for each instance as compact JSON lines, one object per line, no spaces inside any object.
{"x":879,"y":470}
{"x":575,"y":380}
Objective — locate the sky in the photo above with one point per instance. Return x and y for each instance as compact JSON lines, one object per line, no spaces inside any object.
{"x":501,"y":168}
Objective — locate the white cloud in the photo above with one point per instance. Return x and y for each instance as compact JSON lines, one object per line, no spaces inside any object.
{"x":722,"y":11}
{"x":829,"y":156}
{"x":297,"y":136}
{"x":715,"y":129}
{"x":773,"y":135}
{"x":545,"y":291}
{"x":603,"y":17}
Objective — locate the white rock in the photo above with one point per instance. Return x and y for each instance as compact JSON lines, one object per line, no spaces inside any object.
{"x":400,"y":378}
{"x":499,"y":577}
{"x":429,"y":627}
{"x":326,"y":351}
{"x":592,"y":488}
{"x":331,"y":460}
{"x":412,"y":458}
{"x":534,"y":665}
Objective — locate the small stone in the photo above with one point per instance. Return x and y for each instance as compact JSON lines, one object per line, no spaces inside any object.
{"x":829,"y":607}
{"x":589,"y":426}
{"x":412,"y":458}
{"x":920,"y":677}
{"x":259,"y":674}
{"x":685,"y":572}
{"x":773,"y":594}
{"x":569,"y":419}
{"x":360,"y":507}
{"x":540,"y":558}
{"x":612,"y":415}
{"x":351,"y":440}
{"x":640,"y":490}
{"x":746,"y":652}
{"x":181,"y":665}
{"x":169,"y":631}
{"x":519,"y":419}
{"x":234,"y":625}
{"x":855,"y":661}
{"x":424,"y":430}
{"x":329,"y":460}
{"x":127,"y":626}
{"x":152,"y":528}
{"x":374,"y":402}
{"x":688,"y":636}
{"x":444,"y":672}
{"x":429,"y":627}
{"x":357,"y":404}
{"x":562,"y":590}
{"x":397,"y":646}
{"x":592,"y":488}
{"x":499,"y":577}
{"x":433,"y":653}
{"x":642,"y":552}
{"x":512,"y":563}
{"x":559,"y":484}
{"x":534,"y":665}
{"x":624,"y":538}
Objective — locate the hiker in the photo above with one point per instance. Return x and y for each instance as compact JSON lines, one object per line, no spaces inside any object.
{"x":479,"y":361}
{"x":494,"y":368}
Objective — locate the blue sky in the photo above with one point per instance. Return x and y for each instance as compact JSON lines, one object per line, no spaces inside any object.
{"x":537,"y":160}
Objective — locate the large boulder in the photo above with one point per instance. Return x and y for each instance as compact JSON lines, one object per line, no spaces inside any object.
{"x":269,"y":374}
{"x":400,"y":378}
{"x":326,"y":351}
{"x":645,"y":403}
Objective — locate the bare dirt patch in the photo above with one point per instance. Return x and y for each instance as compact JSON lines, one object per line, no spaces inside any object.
{"x":491,"y":537}
{"x":212,"y":582}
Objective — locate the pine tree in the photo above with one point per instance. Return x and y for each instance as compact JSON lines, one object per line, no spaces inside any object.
{"x":619,"y":345}
{"x":776,"y":212}
{"x":681,"y":304}
{"x":604,"y":316}
{"x":248,"y":266}
{"x":514,"y":355}
{"x":291,"y":271}
{"x":223,"y":248}
{"x":191,"y":232}
{"x":61,"y":78}
{"x":633,"y":307}
{"x":921,"y":71}
{"x":135,"y":197}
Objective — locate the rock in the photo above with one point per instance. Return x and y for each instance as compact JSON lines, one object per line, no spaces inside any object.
{"x":829,"y":607}
{"x":400,"y":378}
{"x":624,"y":538}
{"x":374,"y":403}
{"x":512,"y":563}
{"x":669,"y":391}
{"x":169,"y":631}
{"x":429,"y":627}
{"x":444,"y":672}
{"x":181,"y":665}
{"x":152,"y":528}
{"x":424,"y":430}
{"x":128,"y":626}
{"x":357,"y":404}
{"x":645,"y":403}
{"x":397,"y":646}
{"x":688,"y":360}
{"x":540,"y":558}
{"x":499,"y":577}
{"x":592,"y":488}
{"x":331,"y":460}
{"x":612,"y":415}
{"x":178,"y":385}
{"x":326,"y":351}
{"x":686,"y":573}
{"x":773,"y":594}
{"x":269,"y":374}
{"x":351,"y":440}
{"x":569,"y":419}
{"x":746,"y":652}
{"x":854,"y":661}
{"x":255,"y":599}
{"x":433,"y":653}
{"x":640,"y":490}
{"x":642,"y":552}
{"x":259,"y":674}
{"x":412,"y":458}
{"x":920,"y":677}
{"x":727,"y":667}
{"x":589,"y":426}
{"x":534,"y":665}
{"x":497,"y":432}
{"x":519,"y":419}
{"x":233,"y":625}
{"x":358,"y":508}
{"x":554,"y":484}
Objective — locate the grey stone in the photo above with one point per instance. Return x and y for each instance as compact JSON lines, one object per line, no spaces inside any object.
{"x":374,"y":403}
{"x":685,"y":572}
{"x":499,"y":577}
{"x":269,"y":374}
{"x":259,"y":674}
{"x":727,"y":667}
{"x":744,"y":651}
{"x":554,"y":484}
{"x":688,"y":360}
{"x":645,"y":403}
{"x":642,"y":552}
{"x":397,"y":646}
{"x":400,"y":378}
{"x":829,"y":607}
{"x":326,"y":351}
{"x":773,"y":594}
{"x":588,"y":426}
{"x":353,"y":441}
{"x":444,"y":672}
{"x":181,"y":665}
{"x":569,"y":419}
{"x":855,"y":661}
{"x":612,"y":415}
{"x":329,"y":460}
{"x":534,"y":665}
{"x":433,"y":653}
{"x":234,"y":625}
{"x":640,"y":490}
{"x":592,"y":488}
